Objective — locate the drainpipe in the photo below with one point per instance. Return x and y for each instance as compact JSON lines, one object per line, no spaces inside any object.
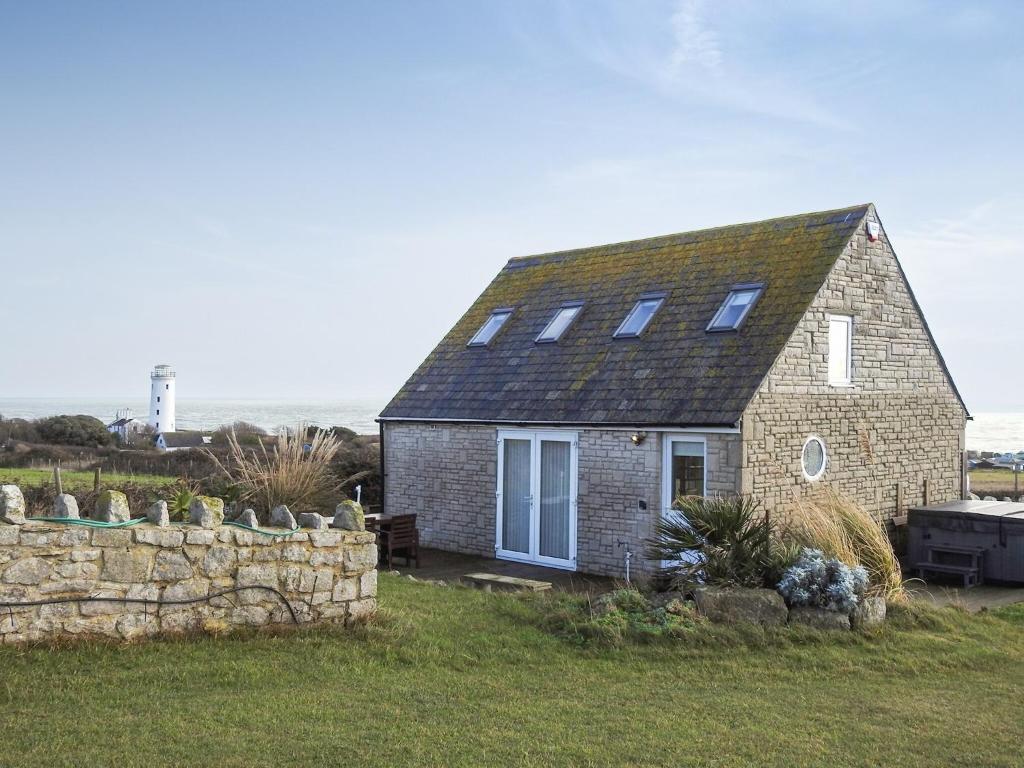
{"x":382,"y":473}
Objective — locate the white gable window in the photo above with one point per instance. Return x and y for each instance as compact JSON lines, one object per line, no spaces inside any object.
{"x":840,"y":350}
{"x":736,"y":307}
{"x":490,"y":328}
{"x":639,"y":316}
{"x":563,"y":318}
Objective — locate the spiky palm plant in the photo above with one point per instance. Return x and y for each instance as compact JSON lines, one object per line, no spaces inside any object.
{"x":719,"y":540}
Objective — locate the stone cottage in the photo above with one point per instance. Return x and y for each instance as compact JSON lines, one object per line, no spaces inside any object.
{"x":585,"y":390}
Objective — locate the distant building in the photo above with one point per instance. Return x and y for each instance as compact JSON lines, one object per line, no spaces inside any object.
{"x":176,"y":441}
{"x":125,"y":426}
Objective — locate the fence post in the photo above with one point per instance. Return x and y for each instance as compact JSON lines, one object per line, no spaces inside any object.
{"x":96,"y":480}
{"x":56,"y":480}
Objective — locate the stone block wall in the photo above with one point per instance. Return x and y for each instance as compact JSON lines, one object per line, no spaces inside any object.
{"x":447,"y":476}
{"x":899,"y":424}
{"x":325,"y":575}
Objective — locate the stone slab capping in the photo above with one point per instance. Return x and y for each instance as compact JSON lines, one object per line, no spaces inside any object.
{"x":325,"y":575}
{"x":112,"y":507}
{"x":65,"y":505}
{"x":12,"y":505}
{"x":348,"y":516}
{"x":206,"y":511}
{"x":281,"y":517}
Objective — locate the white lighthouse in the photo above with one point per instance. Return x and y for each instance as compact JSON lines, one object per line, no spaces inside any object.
{"x":161,"y":399}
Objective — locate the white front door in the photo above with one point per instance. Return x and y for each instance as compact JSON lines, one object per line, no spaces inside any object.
{"x":536,"y":495}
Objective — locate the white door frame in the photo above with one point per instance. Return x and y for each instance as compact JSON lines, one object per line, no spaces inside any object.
{"x":666,"y":472}
{"x":535,"y":437}
{"x":666,"y":466}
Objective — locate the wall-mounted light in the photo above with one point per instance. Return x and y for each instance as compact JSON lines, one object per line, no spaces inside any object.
{"x":638,"y":438}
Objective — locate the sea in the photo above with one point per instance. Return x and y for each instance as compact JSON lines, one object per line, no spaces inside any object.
{"x":357,"y":415}
{"x":987,"y":432}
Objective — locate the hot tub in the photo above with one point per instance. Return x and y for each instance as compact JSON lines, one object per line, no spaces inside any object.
{"x":953,"y":532}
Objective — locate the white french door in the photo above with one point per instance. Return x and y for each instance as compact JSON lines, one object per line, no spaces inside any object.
{"x":536,"y":495}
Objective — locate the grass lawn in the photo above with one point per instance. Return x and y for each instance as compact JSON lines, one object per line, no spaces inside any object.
{"x":454,"y":677}
{"x":75,"y":481}
{"x":983,"y":480}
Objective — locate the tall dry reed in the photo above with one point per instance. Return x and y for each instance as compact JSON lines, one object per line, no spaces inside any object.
{"x":295,"y":471}
{"x":841,"y":528}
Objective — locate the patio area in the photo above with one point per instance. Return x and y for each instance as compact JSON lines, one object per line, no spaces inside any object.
{"x":437,"y":565}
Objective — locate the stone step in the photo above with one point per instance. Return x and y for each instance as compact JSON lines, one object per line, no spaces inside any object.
{"x":492,"y":581}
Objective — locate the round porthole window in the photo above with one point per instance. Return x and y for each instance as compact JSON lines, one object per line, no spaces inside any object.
{"x":814,"y":458}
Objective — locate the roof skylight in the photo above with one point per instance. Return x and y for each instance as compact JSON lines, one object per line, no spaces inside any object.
{"x":639,"y":316}
{"x":736,"y":307}
{"x":563,"y":318}
{"x":490,"y":328}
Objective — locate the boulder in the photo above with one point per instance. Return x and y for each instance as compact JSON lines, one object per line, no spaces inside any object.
{"x":206,"y":511}
{"x":348,"y":516}
{"x":281,"y":517}
{"x":112,"y":507}
{"x":818,"y":618}
{"x":990,"y":498}
{"x":312,"y":520}
{"x":974,"y":497}
{"x":869,"y":614}
{"x":12,"y":505}
{"x":731,"y":605}
{"x":65,"y":506}
{"x":157,"y":514}
{"x":248,"y":517}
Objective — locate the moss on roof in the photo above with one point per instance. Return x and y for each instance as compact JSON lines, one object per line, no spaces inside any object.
{"x":674,"y":373}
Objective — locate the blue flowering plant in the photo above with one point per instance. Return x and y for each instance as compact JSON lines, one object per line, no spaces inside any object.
{"x":817,"y":581}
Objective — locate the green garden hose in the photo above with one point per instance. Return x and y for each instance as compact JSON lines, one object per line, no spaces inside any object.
{"x":137,"y":520}
{"x":292,"y":532}
{"x":88,"y":523}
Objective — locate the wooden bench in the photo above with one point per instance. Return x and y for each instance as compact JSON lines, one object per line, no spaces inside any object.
{"x":972,"y":571}
{"x":492,"y":581}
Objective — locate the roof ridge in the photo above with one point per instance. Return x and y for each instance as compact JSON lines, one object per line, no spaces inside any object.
{"x":623,"y":245}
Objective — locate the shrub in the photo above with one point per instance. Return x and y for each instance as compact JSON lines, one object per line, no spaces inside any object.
{"x":719,"y":540}
{"x":816,"y":581}
{"x":839,"y":527}
{"x":74,"y":430}
{"x":613,"y":618}
{"x":246,"y":433}
{"x":296,"y":471}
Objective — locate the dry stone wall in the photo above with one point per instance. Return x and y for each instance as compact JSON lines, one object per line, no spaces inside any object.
{"x":324,"y":575}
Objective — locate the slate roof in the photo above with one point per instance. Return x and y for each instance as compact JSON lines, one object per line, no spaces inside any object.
{"x":675,"y":373}
{"x":183,"y":439}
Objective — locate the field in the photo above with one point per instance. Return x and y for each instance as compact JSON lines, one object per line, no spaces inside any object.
{"x":987,"y":480}
{"x":454,"y":677}
{"x":78,"y":481}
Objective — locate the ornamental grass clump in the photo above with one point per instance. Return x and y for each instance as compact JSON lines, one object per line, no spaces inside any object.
{"x":841,"y":528}
{"x":296,"y":471}
{"x":719,"y":540}
{"x":817,"y":581}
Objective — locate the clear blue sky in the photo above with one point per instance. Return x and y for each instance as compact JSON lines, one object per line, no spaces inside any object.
{"x":298,"y":199}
